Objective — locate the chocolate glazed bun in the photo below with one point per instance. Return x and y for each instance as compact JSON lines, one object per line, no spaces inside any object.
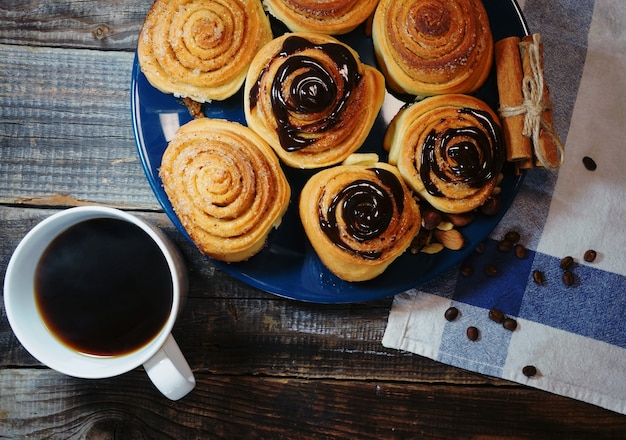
{"x":358,"y":218}
{"x":201,"y":49}
{"x":449,"y":149}
{"x":310,"y":97}
{"x":432,"y":47}
{"x":333,"y":18}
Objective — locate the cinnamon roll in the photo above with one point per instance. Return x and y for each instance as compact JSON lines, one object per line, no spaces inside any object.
{"x":310,"y":97}
{"x":359,"y":219}
{"x":449,"y":149}
{"x":226,"y":187}
{"x":431,"y":47}
{"x":201,"y":49}
{"x":333,"y":18}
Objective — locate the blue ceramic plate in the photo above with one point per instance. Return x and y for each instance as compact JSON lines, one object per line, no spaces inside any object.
{"x":288,"y":266}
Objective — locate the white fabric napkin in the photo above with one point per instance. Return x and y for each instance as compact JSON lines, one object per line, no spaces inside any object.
{"x":575,"y":336}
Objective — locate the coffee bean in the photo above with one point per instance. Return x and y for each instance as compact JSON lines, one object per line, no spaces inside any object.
{"x":496,"y":316}
{"x":568,"y":278}
{"x":512,"y":236}
{"x":590,"y":255}
{"x":509,"y":324}
{"x":520,"y":251}
{"x":505,"y":246}
{"x":430,"y":219}
{"x":491,"y":270}
{"x":566,"y":263}
{"x":480,"y":248}
{"x":451,"y":313}
{"x":589,"y":163}
{"x":538,"y":277}
{"x":466,"y":270}
{"x":529,"y":370}
{"x":491,"y":206}
{"x":472,"y":333}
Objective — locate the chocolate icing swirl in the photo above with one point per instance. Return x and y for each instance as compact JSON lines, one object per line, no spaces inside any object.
{"x":309,"y":94}
{"x":470,"y":154}
{"x":367,"y":209}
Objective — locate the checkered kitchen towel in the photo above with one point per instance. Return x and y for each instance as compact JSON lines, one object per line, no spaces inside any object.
{"x":574,"y":336}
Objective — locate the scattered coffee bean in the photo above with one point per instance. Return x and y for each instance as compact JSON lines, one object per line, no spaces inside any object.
{"x":430,"y":219}
{"x":466,"y":270}
{"x":472,"y":333}
{"x":520,"y":251}
{"x":568,"y":278}
{"x":505,"y":246}
{"x":496,"y":315}
{"x":566,"y":263}
{"x":589,"y":163}
{"x":451,"y":313}
{"x":491,"y":270}
{"x":590,"y":255}
{"x":529,"y":370}
{"x":539,"y":277}
{"x":509,"y":324}
{"x":422,"y":238}
{"x":491,"y":206}
{"x":480,"y":248}
{"x":512,"y":236}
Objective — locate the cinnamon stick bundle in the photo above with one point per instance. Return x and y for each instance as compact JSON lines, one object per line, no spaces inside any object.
{"x":525,"y":105}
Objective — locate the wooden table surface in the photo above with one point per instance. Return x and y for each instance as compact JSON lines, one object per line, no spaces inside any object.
{"x":266,"y":367}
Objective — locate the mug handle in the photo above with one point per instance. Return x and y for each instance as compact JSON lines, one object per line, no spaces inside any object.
{"x":169,"y":371}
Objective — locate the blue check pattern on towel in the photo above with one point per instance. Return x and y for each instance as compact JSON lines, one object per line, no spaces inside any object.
{"x":574,"y":335}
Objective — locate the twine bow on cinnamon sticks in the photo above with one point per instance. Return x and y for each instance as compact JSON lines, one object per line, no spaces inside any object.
{"x":525,"y":105}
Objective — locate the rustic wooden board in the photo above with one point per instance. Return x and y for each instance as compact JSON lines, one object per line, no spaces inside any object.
{"x":43,"y":404}
{"x":100,"y":24}
{"x":76,"y":138}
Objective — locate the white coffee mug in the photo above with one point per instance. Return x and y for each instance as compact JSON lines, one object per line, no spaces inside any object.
{"x":161,"y":357}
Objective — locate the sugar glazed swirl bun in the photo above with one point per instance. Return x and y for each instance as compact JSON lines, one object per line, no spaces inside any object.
{"x":449,"y":149}
{"x":201,"y":49}
{"x":226,"y":187}
{"x":431,"y":47}
{"x":311,"y":99}
{"x":333,"y":18}
{"x":358,"y":218}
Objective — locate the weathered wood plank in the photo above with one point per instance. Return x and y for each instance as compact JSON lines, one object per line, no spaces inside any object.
{"x":63,"y":142}
{"x":100,"y":24}
{"x":268,"y":338}
{"x":43,"y":404}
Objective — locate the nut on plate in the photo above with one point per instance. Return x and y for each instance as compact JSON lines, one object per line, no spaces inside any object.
{"x":450,"y":239}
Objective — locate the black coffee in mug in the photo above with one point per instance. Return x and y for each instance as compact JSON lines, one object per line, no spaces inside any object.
{"x":103,"y":287}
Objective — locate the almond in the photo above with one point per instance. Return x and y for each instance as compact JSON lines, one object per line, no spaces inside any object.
{"x":451,"y":239}
{"x":445,"y":226}
{"x":432,"y":248}
{"x":459,"y":220}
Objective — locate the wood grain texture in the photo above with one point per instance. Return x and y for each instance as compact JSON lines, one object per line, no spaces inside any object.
{"x":65,"y":129}
{"x":100,"y":24}
{"x":43,"y":404}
